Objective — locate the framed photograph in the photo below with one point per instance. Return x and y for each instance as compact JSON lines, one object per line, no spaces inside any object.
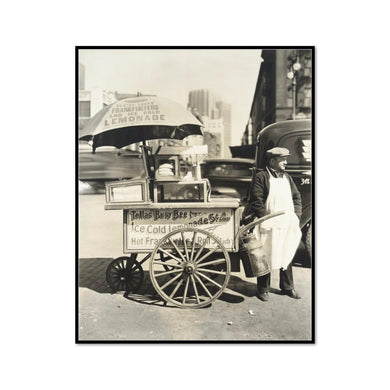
{"x":212,"y":245}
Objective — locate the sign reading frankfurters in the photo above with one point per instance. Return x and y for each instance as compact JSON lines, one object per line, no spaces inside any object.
{"x":139,"y":112}
{"x":144,"y":111}
{"x":144,"y":228}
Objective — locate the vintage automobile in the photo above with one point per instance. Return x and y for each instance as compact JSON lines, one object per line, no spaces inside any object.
{"x":106,"y":164}
{"x":229,"y":177}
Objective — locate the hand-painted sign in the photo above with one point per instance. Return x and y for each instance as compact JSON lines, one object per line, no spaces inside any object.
{"x":144,"y":228}
{"x":138,"y":112}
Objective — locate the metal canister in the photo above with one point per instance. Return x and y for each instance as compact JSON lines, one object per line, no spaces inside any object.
{"x":254,"y":258}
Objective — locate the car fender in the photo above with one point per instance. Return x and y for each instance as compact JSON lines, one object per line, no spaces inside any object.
{"x":306,"y":216}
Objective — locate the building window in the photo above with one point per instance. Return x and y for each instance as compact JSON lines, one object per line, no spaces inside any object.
{"x":84,"y":109}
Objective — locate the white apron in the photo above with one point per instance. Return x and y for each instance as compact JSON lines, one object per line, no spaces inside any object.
{"x":280,"y":235}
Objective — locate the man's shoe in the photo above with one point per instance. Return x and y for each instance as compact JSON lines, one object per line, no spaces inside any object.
{"x":263,"y":296}
{"x":292,"y":294}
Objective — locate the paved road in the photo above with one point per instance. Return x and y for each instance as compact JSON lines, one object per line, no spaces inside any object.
{"x":236,"y":315}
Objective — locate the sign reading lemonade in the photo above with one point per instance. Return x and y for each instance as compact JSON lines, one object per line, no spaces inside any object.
{"x":144,"y":228}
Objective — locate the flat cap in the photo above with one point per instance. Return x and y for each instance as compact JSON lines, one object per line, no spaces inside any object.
{"x":278,"y":152}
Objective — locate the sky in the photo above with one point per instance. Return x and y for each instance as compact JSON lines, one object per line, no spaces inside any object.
{"x":230,"y":74}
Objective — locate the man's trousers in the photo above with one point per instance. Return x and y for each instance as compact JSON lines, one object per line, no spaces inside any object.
{"x":286,"y":280}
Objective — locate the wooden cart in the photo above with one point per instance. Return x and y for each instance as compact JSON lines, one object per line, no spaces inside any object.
{"x":187,"y":246}
{"x":185,"y":235}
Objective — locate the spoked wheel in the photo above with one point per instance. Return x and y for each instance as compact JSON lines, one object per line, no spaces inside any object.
{"x":165,"y":259}
{"x":125,"y":274}
{"x":195,"y":270}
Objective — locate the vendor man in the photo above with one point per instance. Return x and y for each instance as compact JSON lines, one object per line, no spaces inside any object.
{"x":274,"y":190}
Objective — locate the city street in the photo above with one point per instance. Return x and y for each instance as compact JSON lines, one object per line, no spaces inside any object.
{"x":236,"y":315}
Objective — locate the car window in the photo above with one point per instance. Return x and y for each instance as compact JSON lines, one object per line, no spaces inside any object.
{"x":225,"y":192}
{"x":299,"y":147}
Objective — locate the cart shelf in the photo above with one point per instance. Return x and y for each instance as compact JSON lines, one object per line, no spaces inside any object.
{"x":214,"y":203}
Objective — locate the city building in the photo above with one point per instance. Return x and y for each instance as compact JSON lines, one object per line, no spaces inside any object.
{"x":216,"y":116}
{"x":213,"y":136}
{"x":202,"y":101}
{"x":273,"y":99}
{"x":81,"y":76}
{"x":225,"y":114}
{"x":91,"y":101}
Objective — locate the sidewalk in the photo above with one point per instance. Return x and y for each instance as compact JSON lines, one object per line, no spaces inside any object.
{"x":236,"y":315}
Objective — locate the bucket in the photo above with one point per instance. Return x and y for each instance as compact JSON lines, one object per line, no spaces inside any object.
{"x":253,"y":256}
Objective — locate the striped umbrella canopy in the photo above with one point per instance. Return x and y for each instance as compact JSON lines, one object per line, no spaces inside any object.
{"x":139,"y":119}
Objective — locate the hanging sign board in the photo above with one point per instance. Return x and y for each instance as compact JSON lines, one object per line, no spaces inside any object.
{"x":144,"y":228}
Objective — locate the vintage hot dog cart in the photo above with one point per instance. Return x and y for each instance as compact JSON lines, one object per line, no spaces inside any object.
{"x":168,"y":216}
{"x":185,"y":235}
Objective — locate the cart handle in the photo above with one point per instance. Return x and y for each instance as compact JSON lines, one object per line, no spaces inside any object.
{"x":258,"y":221}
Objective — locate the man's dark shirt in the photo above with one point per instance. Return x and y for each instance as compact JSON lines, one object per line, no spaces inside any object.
{"x":259,"y":193}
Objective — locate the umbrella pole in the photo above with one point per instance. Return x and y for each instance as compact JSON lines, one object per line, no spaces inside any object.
{"x":149,"y":168}
{"x":146,"y":159}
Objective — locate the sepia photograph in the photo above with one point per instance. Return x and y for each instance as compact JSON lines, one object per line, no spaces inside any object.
{"x":184,"y":195}
{"x":195,"y":194}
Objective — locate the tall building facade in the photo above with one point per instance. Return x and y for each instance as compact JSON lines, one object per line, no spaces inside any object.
{"x":203,"y":101}
{"x":225,"y":113}
{"x":81,"y":76}
{"x":216,"y":116}
{"x":273,"y":99}
{"x":91,"y":101}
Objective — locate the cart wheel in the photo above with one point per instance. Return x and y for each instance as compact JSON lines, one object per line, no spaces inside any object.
{"x":125,"y":274}
{"x":165,"y":259}
{"x":196,"y":280}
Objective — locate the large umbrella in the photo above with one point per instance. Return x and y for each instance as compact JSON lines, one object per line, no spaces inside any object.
{"x":139,"y":119}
